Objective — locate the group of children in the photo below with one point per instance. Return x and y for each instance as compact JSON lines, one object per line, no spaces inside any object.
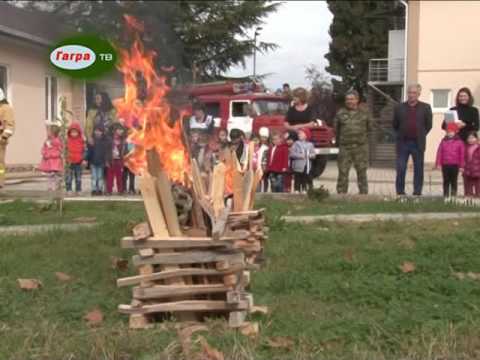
{"x":103,"y":153}
{"x":283,"y":157}
{"x":454,"y":156}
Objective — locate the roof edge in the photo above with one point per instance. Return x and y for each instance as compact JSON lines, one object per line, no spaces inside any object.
{"x":24,"y":35}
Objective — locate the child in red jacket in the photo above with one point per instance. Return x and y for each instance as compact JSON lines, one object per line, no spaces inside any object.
{"x":451,"y":158}
{"x":471,"y":173}
{"x":75,"y":157}
{"x":277,"y":163}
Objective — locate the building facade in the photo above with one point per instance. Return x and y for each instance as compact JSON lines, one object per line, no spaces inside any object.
{"x":438,"y":49}
{"x":443,"y":55}
{"x":32,"y":85}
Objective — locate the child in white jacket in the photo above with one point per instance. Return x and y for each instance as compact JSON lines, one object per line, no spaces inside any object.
{"x":301,"y":154}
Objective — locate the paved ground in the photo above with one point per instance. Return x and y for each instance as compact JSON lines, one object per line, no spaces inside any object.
{"x":381,"y":182}
{"x":361,"y":218}
{"x":31,"y":229}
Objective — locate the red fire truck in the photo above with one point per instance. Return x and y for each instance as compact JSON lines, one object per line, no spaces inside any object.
{"x":248,"y":107}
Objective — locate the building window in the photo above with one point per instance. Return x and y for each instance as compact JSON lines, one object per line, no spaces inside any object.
{"x":50,"y":98}
{"x":4,"y":80}
{"x":440,"y":99}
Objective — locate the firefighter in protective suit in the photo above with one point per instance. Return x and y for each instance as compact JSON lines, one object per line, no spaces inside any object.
{"x":7,"y":127}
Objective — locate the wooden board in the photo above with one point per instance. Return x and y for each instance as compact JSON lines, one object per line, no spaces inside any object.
{"x":141,"y":231}
{"x":198,"y":184}
{"x":218,"y":188}
{"x":237,"y":318}
{"x":174,"y":243}
{"x":247,"y":213}
{"x":247,"y":184}
{"x":193,"y":257}
{"x":164,"y":189}
{"x":165,"y":291}
{"x":238,"y":191}
{"x":256,"y":181}
{"x":155,"y":213}
{"x":168,"y":274}
{"x":152,"y":206}
{"x":220,"y":225}
{"x":164,"y":192}
{"x":187,"y":305}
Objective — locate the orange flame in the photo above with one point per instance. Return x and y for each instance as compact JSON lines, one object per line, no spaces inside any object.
{"x":150,"y":119}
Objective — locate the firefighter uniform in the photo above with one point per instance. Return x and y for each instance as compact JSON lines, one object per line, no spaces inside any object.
{"x":7,"y":127}
{"x":352,"y":128}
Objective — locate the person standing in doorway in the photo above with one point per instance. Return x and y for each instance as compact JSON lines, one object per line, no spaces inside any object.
{"x":102,"y":115}
{"x":7,"y":127}
{"x":412,"y":121}
{"x":352,"y":127}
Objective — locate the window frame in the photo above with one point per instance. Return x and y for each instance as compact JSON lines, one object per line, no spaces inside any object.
{"x":8,"y":88}
{"x":243,"y":102}
{"x":449,"y":100}
{"x":51,"y":105}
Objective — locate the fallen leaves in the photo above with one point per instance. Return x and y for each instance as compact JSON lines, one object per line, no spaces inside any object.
{"x":209,"y":352}
{"x":94,"y":318}
{"x":257,"y":309}
{"x":63,"y":277}
{"x":407,"y":267}
{"x":470,"y":275}
{"x":348,"y":255}
{"x":141,"y":231}
{"x":29,"y":284}
{"x":279,"y":342}
{"x":119,"y":263}
{"x":250,"y":329}
{"x":185,"y":337}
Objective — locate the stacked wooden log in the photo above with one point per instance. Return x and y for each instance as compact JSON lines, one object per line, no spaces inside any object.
{"x":202,"y":270}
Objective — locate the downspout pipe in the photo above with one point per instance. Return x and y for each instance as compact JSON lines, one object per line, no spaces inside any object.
{"x":405,"y":61}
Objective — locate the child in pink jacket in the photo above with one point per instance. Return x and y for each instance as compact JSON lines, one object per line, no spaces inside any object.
{"x":471,"y":174}
{"x":52,"y":158}
{"x":451,"y":158}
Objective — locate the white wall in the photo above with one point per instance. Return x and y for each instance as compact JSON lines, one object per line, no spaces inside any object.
{"x":27,"y":67}
{"x":396,"y":54}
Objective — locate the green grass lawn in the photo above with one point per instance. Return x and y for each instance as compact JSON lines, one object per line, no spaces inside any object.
{"x":336,"y":292}
{"x":304,"y":206}
{"x":24,"y":212}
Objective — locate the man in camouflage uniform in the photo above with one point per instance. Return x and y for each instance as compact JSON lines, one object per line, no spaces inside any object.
{"x":352,"y":126}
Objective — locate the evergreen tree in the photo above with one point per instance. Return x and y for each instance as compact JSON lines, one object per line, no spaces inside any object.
{"x":359,"y":32}
{"x":208,"y":36}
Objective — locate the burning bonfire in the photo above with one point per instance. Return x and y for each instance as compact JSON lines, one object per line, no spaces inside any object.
{"x":151,"y":119}
{"x":194,"y":268}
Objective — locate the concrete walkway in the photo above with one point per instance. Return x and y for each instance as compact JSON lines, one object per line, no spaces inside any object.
{"x":363,"y":218}
{"x":34,"y":229}
{"x":381,"y":182}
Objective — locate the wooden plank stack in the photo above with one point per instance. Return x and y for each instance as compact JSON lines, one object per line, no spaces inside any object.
{"x":190,"y":277}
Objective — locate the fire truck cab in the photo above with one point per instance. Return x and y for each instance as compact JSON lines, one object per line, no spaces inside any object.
{"x":247,"y":107}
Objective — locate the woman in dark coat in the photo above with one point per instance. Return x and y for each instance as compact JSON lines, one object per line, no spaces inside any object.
{"x":300,"y":114}
{"x":467,"y":113}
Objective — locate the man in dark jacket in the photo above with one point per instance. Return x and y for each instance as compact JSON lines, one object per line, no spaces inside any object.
{"x":412,"y":121}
